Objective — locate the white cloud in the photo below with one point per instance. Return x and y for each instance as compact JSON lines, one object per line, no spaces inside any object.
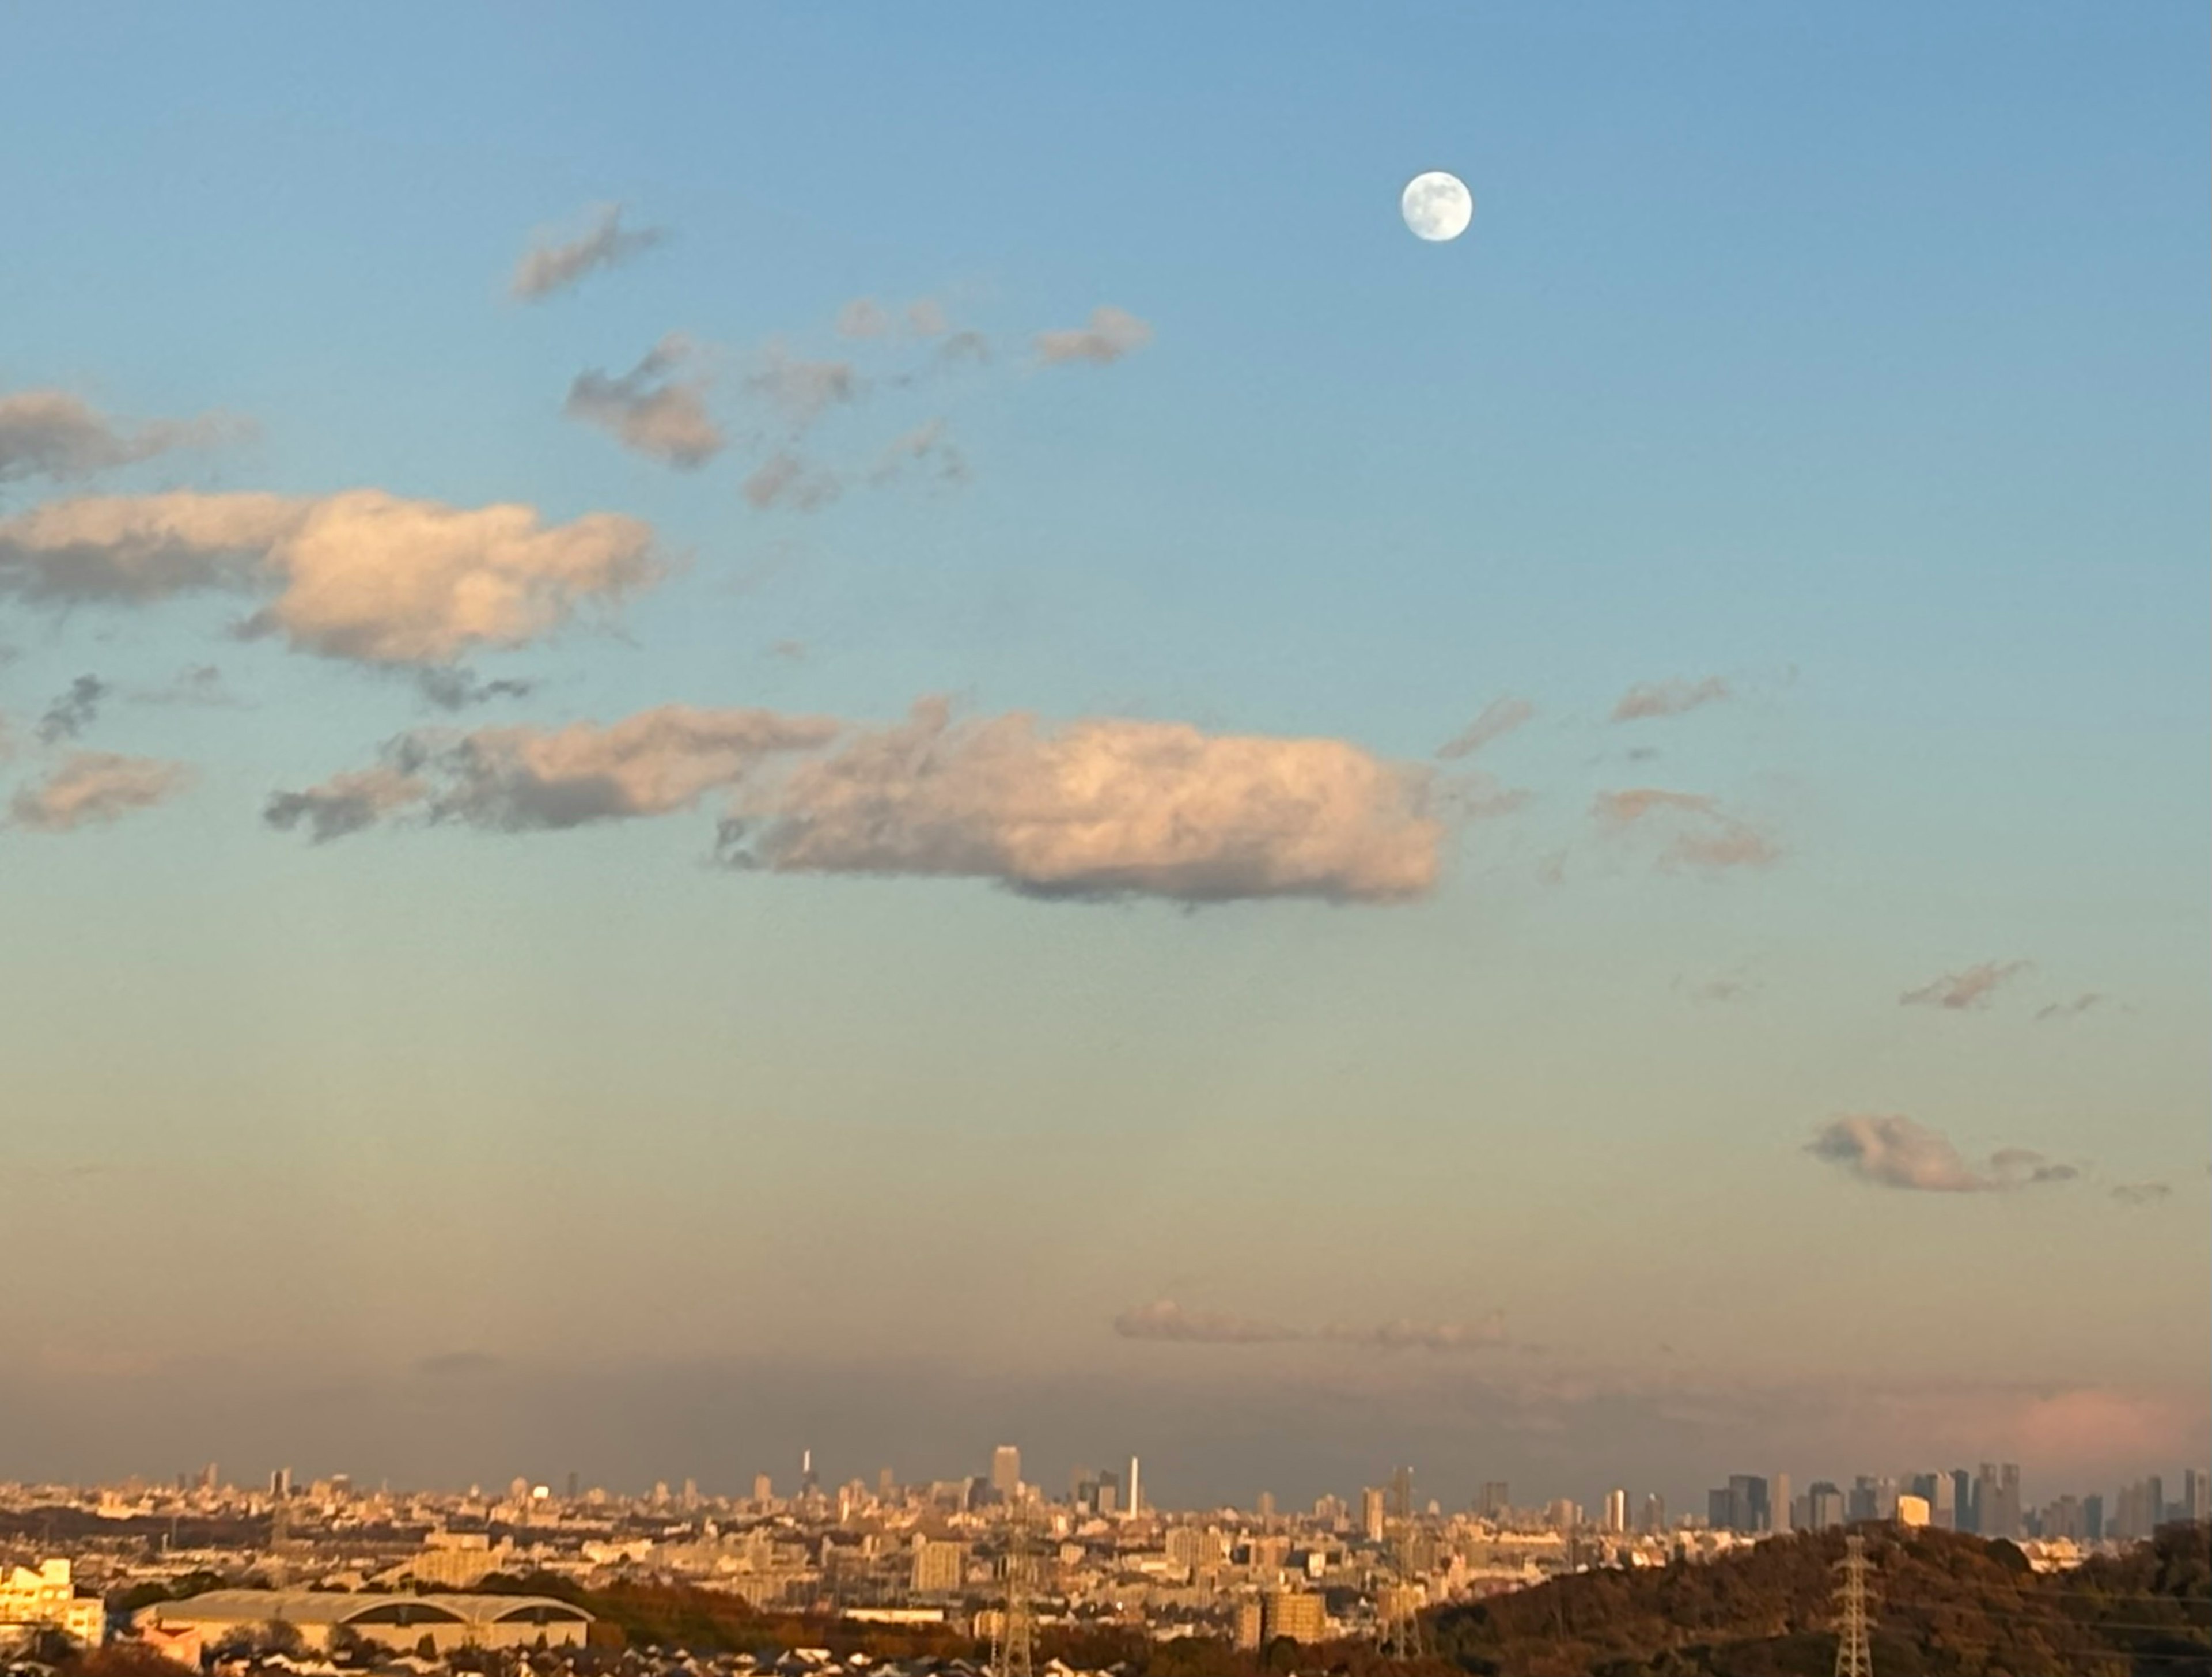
{"x":552,"y":265}
{"x":1099,"y":809}
{"x":1110,"y":334}
{"x":1667,"y":698}
{"x":648,"y":410}
{"x":91,"y":787}
{"x":1891,"y":1151}
{"x":361,"y":575}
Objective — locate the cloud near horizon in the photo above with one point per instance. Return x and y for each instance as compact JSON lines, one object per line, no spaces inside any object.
{"x":1702,"y":834}
{"x":56,"y":434}
{"x":1668,"y":698}
{"x":361,"y":575}
{"x":1098,"y":809}
{"x":551,"y":265}
{"x":91,"y":789}
{"x":1891,"y":1151}
{"x":1971,"y":987}
{"x":1165,"y":1320}
{"x":649,"y":411}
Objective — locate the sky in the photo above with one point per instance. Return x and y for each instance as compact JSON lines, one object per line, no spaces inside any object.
{"x":754,"y":727}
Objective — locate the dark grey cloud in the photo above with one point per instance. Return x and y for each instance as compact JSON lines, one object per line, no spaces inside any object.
{"x":74,"y":712}
{"x":2138,"y":1195}
{"x":1891,"y":1151}
{"x":1498,"y":718}
{"x":452,"y":687}
{"x":346,"y":802}
{"x":2070,"y":1009}
{"x":650,"y":409}
{"x":53,"y":434}
{"x":552,"y":265}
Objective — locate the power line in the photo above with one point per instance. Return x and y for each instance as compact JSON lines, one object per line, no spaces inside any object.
{"x":1854,"y":1656}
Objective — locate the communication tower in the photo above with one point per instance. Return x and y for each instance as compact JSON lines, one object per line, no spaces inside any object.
{"x":1011,"y":1648}
{"x":1401,"y":1602}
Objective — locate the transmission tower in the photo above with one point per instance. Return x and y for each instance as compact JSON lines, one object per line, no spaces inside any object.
{"x":1402,"y":1619}
{"x":1854,"y":1656}
{"x":1011,"y":1650}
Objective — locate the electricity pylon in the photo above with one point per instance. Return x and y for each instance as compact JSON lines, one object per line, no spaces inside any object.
{"x":1854,"y":1656}
{"x":1401,"y":1618}
{"x":1011,"y":1650}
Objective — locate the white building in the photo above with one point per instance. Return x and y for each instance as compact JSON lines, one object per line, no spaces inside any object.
{"x":47,"y":1599}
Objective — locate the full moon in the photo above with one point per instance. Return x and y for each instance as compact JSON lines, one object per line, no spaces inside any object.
{"x":1437,"y":206}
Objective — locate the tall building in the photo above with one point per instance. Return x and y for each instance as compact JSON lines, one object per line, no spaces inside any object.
{"x":1006,"y":1471}
{"x":2093,"y":1518}
{"x":1296,"y":1614}
{"x":1370,"y":1514}
{"x":1824,"y":1506}
{"x":939,"y":1568}
{"x":1136,"y":1490}
{"x":2009,"y":1502}
{"x":1616,"y":1510}
{"x":1965,"y":1510}
{"x":1778,"y":1503}
{"x":47,"y":1600}
{"x":1496,"y":1497}
{"x":280,"y":1484}
{"x":2196,"y":1495}
{"x":763,"y":1489}
{"x":1742,"y":1507}
{"x":1264,"y":1508}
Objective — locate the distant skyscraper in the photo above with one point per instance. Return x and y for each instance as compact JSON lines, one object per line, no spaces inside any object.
{"x":1616,"y":1510}
{"x":1655,"y":1513}
{"x":1778,"y":1503}
{"x":1496,"y":1497}
{"x":280,"y":1484}
{"x":1006,"y":1471}
{"x":763,"y":1489}
{"x":1370,"y":1514}
{"x":2093,"y":1518}
{"x":1964,"y":1508}
{"x":2196,"y":1495}
{"x":1266,"y":1509}
{"x":1824,"y":1506}
{"x":886,"y":1485}
{"x":1136,"y":1490}
{"x":2009,"y":1504}
{"x":806,"y":1481}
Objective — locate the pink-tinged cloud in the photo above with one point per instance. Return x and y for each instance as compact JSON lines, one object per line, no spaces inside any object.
{"x":90,"y":788}
{"x":363,"y":574}
{"x":1447,"y":1337}
{"x":1110,"y":334}
{"x":1498,"y":718}
{"x":1700,"y":834}
{"x":1667,"y":698}
{"x":650,"y":409}
{"x":1099,"y":809}
{"x":56,"y":434}
{"x":1891,"y":1151}
{"x":1969,"y":989}
{"x":1165,"y":1320}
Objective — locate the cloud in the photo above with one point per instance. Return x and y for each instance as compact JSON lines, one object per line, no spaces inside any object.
{"x":2141,"y":1194}
{"x":1959,"y":990}
{"x":1702,"y":835}
{"x":926,"y":446}
{"x":361,"y":575}
{"x":451,"y":687}
{"x":1111,"y":334}
{"x":1728,"y":988}
{"x":863,"y":317}
{"x":965,"y":346}
{"x":550,"y":266}
{"x":1891,"y":1151}
{"x":925,"y":318}
{"x":1164,"y":1318}
{"x":91,"y":787}
{"x":648,"y":411}
{"x":2070,"y":1009}
{"x":1098,"y":809}
{"x":74,"y":712}
{"x":53,"y":434}
{"x":521,"y":779}
{"x":1487,"y":1334}
{"x":345,"y":803}
{"x":801,"y":391}
{"x":200,"y":684}
{"x":784,"y":480}
{"x":1499,"y":718}
{"x":1667,"y":698}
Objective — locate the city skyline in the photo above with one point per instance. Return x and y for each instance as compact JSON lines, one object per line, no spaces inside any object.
{"x":743,"y":729}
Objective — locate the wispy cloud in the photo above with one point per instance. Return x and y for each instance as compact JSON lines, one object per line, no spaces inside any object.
{"x":1098,"y":809}
{"x":1891,"y":1151}
{"x":90,"y":788}
{"x":2138,"y":1195}
{"x":1110,"y":334}
{"x":801,"y":391}
{"x":1970,"y":987}
{"x":1498,"y":718}
{"x":346,"y":802}
{"x":552,"y":264}
{"x":74,"y":712}
{"x":785,"y":480}
{"x":1164,"y":1318}
{"x":453,"y":687}
{"x":56,"y":434}
{"x":2070,"y":1009}
{"x":1487,"y":1333}
{"x":1649,"y":699}
{"x":927,"y":448}
{"x":1700,"y":833}
{"x":363,"y":574}
{"x":649,"y":410}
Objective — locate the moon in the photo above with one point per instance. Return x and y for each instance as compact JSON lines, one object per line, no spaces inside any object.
{"x":1437,"y":206}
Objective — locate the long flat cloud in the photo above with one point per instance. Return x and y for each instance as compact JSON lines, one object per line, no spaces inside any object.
{"x":55,"y":434}
{"x":1958,"y":991}
{"x":92,"y":787}
{"x":1108,"y":335}
{"x":1891,"y":1151}
{"x":361,"y":575}
{"x":1100,"y":808}
{"x":551,"y":265}
{"x":1667,"y":698}
{"x":1699,"y":833}
{"x":521,"y":779}
{"x":1164,"y":1318}
{"x":649,"y":410}
{"x":1094,"y":809}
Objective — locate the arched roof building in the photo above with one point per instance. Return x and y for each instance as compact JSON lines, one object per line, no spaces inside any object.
{"x":398,"y":1621}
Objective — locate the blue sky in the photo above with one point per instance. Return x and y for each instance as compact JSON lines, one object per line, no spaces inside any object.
{"x":1851,"y":364}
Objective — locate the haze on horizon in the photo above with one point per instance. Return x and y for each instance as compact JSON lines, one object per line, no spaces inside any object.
{"x":743,"y":729}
